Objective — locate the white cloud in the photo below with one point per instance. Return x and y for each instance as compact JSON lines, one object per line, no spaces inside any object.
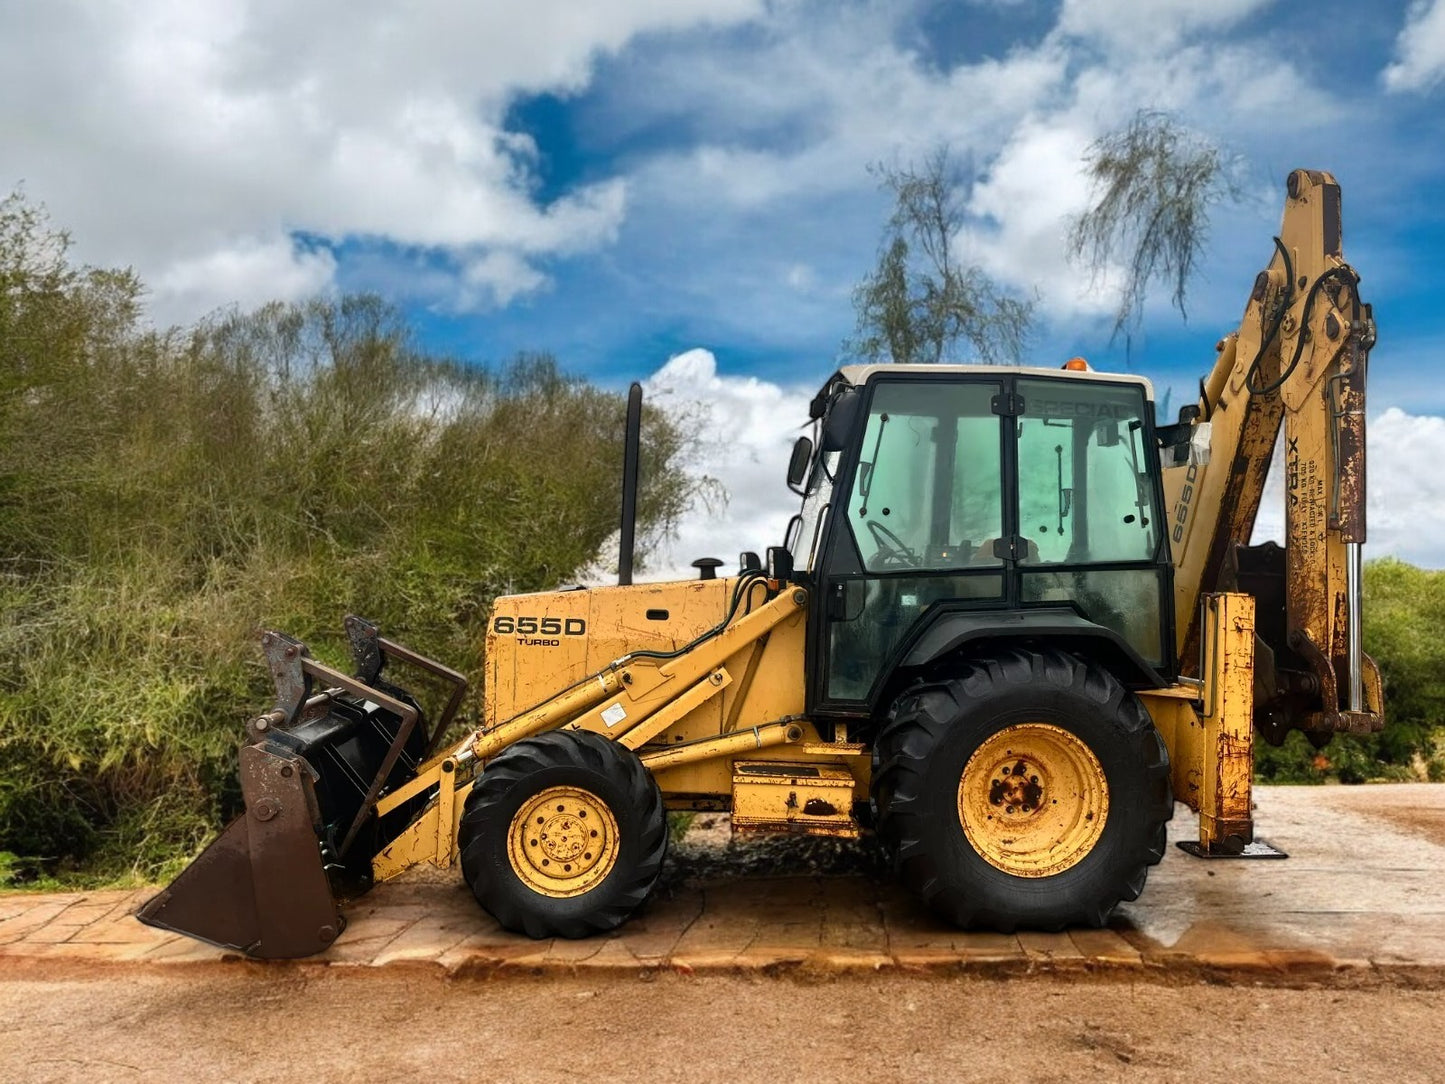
{"x":1420,"y":48}
{"x":756,"y":421}
{"x":496,"y":277}
{"x":749,"y":426}
{"x":172,"y":136}
{"x":1405,"y":502}
{"x":1151,"y":25}
{"x":1025,"y":202}
{"x":842,"y":93}
{"x":848,"y":95}
{"x":801,"y":277}
{"x":245,"y":272}
{"x":1035,"y":182}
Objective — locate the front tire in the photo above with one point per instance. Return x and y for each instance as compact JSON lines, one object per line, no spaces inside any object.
{"x":1031,"y":790}
{"x":563,"y":835}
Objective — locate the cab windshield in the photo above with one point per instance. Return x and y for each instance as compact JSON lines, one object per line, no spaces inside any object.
{"x":1085,"y":496}
{"x":1088,"y":517}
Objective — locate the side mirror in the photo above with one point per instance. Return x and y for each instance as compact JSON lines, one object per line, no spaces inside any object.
{"x":798,"y":464}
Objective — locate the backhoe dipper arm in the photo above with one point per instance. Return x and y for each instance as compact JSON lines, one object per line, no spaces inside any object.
{"x":1299,"y":356}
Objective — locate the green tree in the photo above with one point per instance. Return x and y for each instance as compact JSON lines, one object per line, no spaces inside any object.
{"x":57,"y":322}
{"x":1404,"y":608}
{"x":165,"y":495}
{"x":1154,"y":182}
{"x":923,"y":301}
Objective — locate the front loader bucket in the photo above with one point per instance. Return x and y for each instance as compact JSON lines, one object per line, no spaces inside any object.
{"x":311,"y":773}
{"x":260,"y":888}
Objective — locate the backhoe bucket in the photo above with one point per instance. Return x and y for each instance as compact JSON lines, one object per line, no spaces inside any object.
{"x":260,"y":888}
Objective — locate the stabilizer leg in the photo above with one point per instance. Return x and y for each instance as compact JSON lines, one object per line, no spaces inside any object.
{"x":1226,"y":815}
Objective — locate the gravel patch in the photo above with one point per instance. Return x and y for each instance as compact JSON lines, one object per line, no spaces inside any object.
{"x":710,"y":852}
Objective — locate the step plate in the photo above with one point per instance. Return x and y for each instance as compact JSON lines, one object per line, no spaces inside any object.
{"x":773,"y":796}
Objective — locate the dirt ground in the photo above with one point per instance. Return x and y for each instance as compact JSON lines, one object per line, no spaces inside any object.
{"x":1424,"y":821}
{"x":252,"y":1024}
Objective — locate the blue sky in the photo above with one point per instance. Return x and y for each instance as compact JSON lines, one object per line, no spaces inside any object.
{"x":624,"y":181}
{"x":764,"y":281}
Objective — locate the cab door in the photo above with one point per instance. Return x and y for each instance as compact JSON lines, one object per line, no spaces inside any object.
{"x":921,"y":514}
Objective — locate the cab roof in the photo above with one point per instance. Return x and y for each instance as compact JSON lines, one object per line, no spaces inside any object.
{"x":859,"y":375}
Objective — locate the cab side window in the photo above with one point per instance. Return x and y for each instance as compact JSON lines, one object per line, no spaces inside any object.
{"x":927,"y":493}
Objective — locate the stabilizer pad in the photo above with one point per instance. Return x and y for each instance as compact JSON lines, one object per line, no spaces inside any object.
{"x":1258,"y":849}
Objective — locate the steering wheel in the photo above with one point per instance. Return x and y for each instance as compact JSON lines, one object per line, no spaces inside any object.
{"x":891,"y":548}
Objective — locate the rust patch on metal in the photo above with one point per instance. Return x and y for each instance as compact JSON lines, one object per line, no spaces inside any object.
{"x":1350,"y":447}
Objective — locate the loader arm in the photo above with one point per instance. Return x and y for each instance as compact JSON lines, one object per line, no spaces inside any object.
{"x":1297,"y":361}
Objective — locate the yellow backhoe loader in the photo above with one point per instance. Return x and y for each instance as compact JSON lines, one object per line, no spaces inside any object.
{"x":1014,"y":621}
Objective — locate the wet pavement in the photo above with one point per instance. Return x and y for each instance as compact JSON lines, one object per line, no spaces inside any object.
{"x":1360,"y":899}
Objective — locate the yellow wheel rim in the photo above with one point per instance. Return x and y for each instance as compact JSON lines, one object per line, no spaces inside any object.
{"x":563,"y":842}
{"x":1033,"y":800}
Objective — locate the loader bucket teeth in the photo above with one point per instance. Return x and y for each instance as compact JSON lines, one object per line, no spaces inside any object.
{"x":260,"y":888}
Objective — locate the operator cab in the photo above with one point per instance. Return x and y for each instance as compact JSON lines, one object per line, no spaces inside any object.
{"x":946,"y":505}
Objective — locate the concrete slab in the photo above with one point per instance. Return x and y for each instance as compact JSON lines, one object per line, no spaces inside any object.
{"x":1360,"y":900}
{"x":1364,"y":882}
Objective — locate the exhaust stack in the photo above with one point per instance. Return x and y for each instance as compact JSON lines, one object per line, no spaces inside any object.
{"x":631,"y":444}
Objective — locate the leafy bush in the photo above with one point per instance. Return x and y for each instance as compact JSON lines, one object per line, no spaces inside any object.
{"x":163,"y":495}
{"x":1404,"y":609}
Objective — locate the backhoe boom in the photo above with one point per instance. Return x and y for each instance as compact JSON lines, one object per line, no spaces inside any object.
{"x":1297,"y":361}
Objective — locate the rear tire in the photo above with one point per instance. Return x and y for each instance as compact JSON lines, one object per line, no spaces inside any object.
{"x":563,"y":835}
{"x":1031,"y":790}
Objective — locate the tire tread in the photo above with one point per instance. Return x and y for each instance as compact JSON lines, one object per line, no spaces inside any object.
{"x":917,"y":723}
{"x":488,"y":801}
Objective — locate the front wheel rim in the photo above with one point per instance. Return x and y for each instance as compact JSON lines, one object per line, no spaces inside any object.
{"x":563,"y":842}
{"x":1033,"y":800}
